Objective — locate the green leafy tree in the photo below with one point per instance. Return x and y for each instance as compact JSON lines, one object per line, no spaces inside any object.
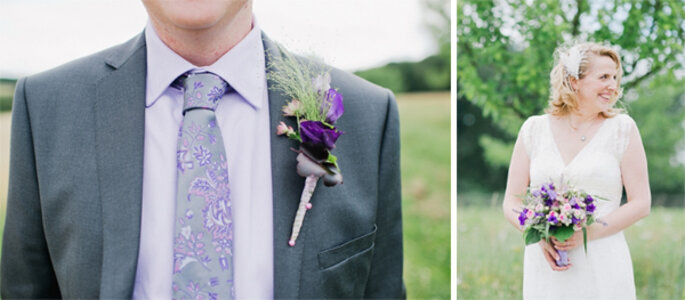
{"x":658,"y":107}
{"x":504,"y":56}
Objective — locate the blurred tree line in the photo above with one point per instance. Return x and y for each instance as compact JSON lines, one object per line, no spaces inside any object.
{"x":6,"y":93}
{"x":504,"y":56}
{"x":430,"y":74}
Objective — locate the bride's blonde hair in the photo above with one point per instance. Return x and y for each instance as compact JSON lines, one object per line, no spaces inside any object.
{"x":573,"y":63}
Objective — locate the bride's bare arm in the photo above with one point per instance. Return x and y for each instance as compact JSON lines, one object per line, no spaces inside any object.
{"x":636,"y":183}
{"x":517,"y":183}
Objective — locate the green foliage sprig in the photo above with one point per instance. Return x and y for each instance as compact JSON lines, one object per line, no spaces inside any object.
{"x":293,"y":78}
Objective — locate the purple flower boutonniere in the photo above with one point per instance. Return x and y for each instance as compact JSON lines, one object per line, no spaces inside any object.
{"x":316,"y":107}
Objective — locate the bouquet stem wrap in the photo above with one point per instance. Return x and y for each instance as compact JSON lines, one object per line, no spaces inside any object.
{"x":309,"y":186}
{"x":563,"y":258}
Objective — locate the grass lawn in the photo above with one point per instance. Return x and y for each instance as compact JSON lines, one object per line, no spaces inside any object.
{"x":490,"y":254}
{"x":425,"y":129}
{"x":425,"y":125}
{"x":5,"y":119}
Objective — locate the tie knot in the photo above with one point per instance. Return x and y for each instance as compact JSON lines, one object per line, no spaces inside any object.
{"x":202,"y":90}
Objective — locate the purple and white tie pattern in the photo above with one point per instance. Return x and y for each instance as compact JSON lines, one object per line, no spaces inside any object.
{"x":203,"y":233}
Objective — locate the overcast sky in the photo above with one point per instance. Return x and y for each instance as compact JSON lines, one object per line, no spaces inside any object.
{"x":36,"y":35}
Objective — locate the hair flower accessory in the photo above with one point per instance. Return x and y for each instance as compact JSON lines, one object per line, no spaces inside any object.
{"x":571,"y":60}
{"x":316,"y":107}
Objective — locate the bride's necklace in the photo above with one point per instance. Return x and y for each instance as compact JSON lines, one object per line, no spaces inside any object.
{"x":583,"y":136}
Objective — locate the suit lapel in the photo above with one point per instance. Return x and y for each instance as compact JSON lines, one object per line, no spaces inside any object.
{"x":119,"y":132}
{"x":287,"y":186}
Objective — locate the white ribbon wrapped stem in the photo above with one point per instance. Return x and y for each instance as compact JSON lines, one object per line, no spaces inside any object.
{"x":309,"y":186}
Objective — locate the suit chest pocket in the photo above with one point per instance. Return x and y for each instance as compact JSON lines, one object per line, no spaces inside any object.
{"x":345,"y":268}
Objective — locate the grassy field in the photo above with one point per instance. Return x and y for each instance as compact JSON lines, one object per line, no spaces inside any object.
{"x":5,"y":119}
{"x":425,"y":125}
{"x":490,"y":254}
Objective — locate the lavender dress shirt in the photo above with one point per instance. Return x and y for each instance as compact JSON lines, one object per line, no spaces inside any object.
{"x":243,"y":116}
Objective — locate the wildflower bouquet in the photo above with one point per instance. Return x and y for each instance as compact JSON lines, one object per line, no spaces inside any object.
{"x":559,"y":212}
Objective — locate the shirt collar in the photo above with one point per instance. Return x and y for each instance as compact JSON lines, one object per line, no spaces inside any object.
{"x":243,"y":67}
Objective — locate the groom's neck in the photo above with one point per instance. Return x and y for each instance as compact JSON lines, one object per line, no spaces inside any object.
{"x":204,"y":46}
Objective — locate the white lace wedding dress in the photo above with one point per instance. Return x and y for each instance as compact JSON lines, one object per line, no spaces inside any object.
{"x":606,"y":271}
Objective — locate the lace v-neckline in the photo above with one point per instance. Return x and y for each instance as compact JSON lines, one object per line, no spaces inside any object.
{"x":582,"y":149}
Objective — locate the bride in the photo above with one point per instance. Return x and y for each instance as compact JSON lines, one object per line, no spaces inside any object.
{"x":591,"y":145}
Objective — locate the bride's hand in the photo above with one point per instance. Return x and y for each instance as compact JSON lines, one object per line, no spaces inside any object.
{"x":571,"y":243}
{"x":551,"y":256}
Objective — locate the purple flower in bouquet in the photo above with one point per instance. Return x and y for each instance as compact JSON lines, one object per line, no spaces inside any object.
{"x":315,"y":132}
{"x":552,"y":218}
{"x":590,"y":207}
{"x":522,"y":217}
{"x":536,"y":193}
{"x":548,"y":189}
{"x":552,"y":194}
{"x":574,"y":220}
{"x":333,"y":106}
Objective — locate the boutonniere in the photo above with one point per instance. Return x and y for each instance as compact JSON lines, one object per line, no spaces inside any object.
{"x":316,"y":107}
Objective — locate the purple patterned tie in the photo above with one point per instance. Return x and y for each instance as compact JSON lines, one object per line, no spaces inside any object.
{"x":203,"y":254}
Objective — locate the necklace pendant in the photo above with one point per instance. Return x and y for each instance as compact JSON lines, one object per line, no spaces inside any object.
{"x":582,"y":138}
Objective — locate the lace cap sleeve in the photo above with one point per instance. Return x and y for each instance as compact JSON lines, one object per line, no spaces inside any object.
{"x":625,"y":125}
{"x":526,"y":134}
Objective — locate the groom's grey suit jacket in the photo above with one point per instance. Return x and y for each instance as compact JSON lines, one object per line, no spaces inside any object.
{"x":74,"y":202}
